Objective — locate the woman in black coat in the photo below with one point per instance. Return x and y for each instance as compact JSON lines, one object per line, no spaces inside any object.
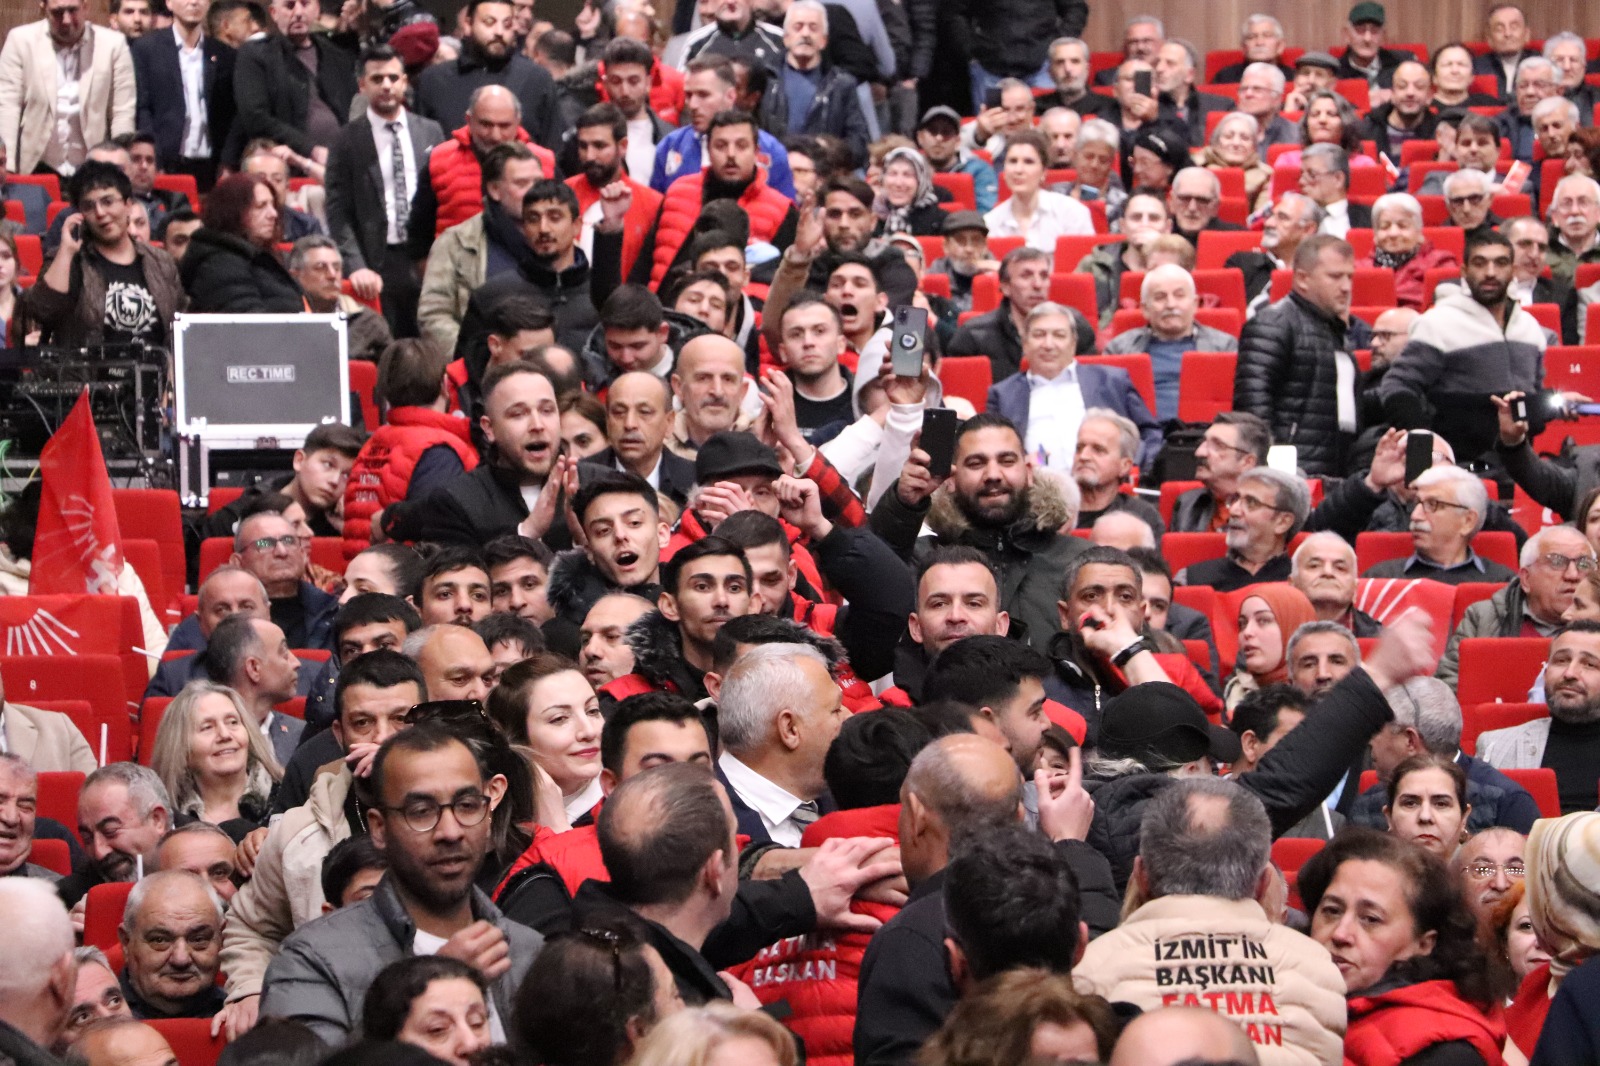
{"x":232,"y":266}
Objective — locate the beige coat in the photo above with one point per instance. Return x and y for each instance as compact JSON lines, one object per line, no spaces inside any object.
{"x":28,"y":92}
{"x":285,"y":890}
{"x":48,"y":741}
{"x":1198,"y":951}
{"x":457,"y":263}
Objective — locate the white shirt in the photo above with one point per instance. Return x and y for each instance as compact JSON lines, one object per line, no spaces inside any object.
{"x":641,"y":155}
{"x":654,"y":477}
{"x":1337,"y":222}
{"x":383,"y":140}
{"x":1520,"y":291}
{"x":584,"y":801}
{"x":775,"y":805}
{"x":428,"y":944}
{"x":586,"y":224}
{"x":192,"y":65}
{"x":1054,"y":215}
{"x":66,"y":150}
{"x":5,"y":745}
{"x":1055,"y":410}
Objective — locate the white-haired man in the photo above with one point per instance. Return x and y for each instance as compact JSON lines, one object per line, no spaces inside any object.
{"x":778,"y":711}
{"x":1530,"y":245}
{"x":811,"y":95}
{"x":1537,"y":79}
{"x":1449,"y":511}
{"x":1194,"y":199}
{"x":1554,"y":562}
{"x":1262,"y":39}
{"x":1268,"y":509}
{"x":1169,"y":299}
{"x":1108,"y":452}
{"x":1555,"y":119}
{"x":1324,"y":568}
{"x":1570,"y":54}
{"x":1181,"y":103}
{"x":1261,"y":97}
{"x":1575,"y":218}
{"x":1292,"y":219}
{"x":38,"y":979}
{"x":1469,"y":199}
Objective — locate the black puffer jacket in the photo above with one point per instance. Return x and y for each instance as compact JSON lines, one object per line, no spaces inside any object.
{"x":1287,"y":375}
{"x":1012,"y":37}
{"x":227,"y":275}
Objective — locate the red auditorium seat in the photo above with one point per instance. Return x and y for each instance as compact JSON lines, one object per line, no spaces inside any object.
{"x":1468,"y":594}
{"x":1170,"y":491}
{"x":985,"y":292}
{"x":1196,"y":597}
{"x":1185,"y":549}
{"x":1216,"y":246}
{"x":95,"y":678}
{"x":1076,"y":290}
{"x":1071,"y":250}
{"x":220,"y":496}
{"x":1205,"y":385}
{"x":53,"y":855}
{"x":58,"y":796}
{"x":960,"y":188}
{"x":1499,"y":669}
{"x":1541,"y":785}
{"x":102,"y":913}
{"x":1375,"y":548}
{"x":935,"y":285}
{"x":1480,"y":718}
{"x":190,"y":1039}
{"x":155,"y":514}
{"x":967,"y":376}
{"x":183,"y":183}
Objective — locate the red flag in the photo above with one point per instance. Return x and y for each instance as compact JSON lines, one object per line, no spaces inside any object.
{"x":78,"y":547}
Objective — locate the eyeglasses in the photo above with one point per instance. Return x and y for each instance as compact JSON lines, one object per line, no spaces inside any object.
{"x":446,"y":711}
{"x":1559,"y":563}
{"x":1214,"y":443}
{"x":266,"y":544}
{"x":1195,"y":201}
{"x":1248,"y":503}
{"x":1432,"y":506}
{"x":1471,"y":199}
{"x":1483,"y":871}
{"x":422,"y":815}
{"x":614,"y":942}
{"x":1383,"y":336}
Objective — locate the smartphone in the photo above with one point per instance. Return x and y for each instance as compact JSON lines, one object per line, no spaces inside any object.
{"x":1143,"y":83}
{"x":939,"y":439}
{"x":991,"y":97}
{"x":1419,"y":454}
{"x":910,"y":332}
{"x":1285,"y":457}
{"x":1515,"y":176}
{"x":1519,"y":409}
{"x":1586,"y":409}
{"x":77,"y":231}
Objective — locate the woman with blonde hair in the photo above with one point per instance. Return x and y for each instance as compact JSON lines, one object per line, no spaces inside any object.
{"x":1026,"y":1015}
{"x":1563,"y":886}
{"x":717,"y":1034}
{"x":217,"y":766}
{"x":1234,"y":144}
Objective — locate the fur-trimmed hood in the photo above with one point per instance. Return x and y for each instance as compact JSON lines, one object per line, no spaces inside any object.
{"x":1046,"y":511}
{"x":658,"y":656}
{"x":576,"y":584}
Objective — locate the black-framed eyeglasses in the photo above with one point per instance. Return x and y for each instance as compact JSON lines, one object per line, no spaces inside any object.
{"x":423,"y":814}
{"x":1433,"y":506}
{"x":1248,"y":503}
{"x":446,"y":711}
{"x":614,"y":942}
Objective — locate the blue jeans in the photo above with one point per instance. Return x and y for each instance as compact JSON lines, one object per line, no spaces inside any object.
{"x":983,"y":81}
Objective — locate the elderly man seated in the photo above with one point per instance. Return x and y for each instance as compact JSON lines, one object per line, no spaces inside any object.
{"x":1563,"y":741}
{"x":1107,"y":455}
{"x":1324,"y":568}
{"x":1265,"y":512}
{"x":316,"y":264}
{"x":1554,"y":563}
{"x":1575,"y":218}
{"x":19,"y":799}
{"x":1468,"y":197}
{"x":1193,"y":200}
{"x":1398,"y":243}
{"x":1046,"y":402}
{"x":171,"y":937}
{"x":1450,"y":508}
{"x":1167,"y":295}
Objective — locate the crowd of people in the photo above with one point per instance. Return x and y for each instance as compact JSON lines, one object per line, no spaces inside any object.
{"x":715,"y":675}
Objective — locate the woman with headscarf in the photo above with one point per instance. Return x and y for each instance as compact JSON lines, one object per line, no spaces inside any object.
{"x":1563,"y":885}
{"x":907,"y":200}
{"x":1268,"y":616}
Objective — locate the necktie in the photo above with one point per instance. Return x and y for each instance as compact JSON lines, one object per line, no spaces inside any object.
{"x":402,"y":201}
{"x":805,"y":814}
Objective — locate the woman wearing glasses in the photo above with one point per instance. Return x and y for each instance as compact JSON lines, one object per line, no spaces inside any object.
{"x":546,"y":703}
{"x":217,"y":766}
{"x":1268,"y":617}
{"x":1418,"y":983}
{"x":591,"y":996}
{"x":432,"y":1002}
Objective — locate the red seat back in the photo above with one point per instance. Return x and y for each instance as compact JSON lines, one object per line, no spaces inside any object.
{"x":1480,"y":718}
{"x":1137,"y":364}
{"x":960,"y":188}
{"x":1468,"y":594}
{"x":967,"y":376}
{"x":190,"y":1039}
{"x":58,"y":796}
{"x":1185,"y":549}
{"x":53,"y":855}
{"x":97,"y":679}
{"x":1499,"y":668}
{"x":1215,"y":246}
{"x":1205,"y":385}
{"x":102,"y":913}
{"x":155,"y":514}
{"x":1541,"y":785}
{"x":1076,"y":290}
{"x":985,"y":292}
{"x":364,"y":383}
{"x":1170,"y":491}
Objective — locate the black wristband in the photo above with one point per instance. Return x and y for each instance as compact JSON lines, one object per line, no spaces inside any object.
{"x":1120,"y":659}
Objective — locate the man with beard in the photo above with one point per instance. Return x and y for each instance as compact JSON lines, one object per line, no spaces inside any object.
{"x":1536,"y":80}
{"x":432,"y":822}
{"x":123,"y":812}
{"x":1233,"y":444}
{"x":171,"y":934}
{"x":708,"y":90}
{"x":1324,"y":568}
{"x":939,"y":137}
{"x":1268,"y":509}
{"x":1554,"y":563}
{"x":1408,"y":115}
{"x":1181,"y":103}
{"x":294,"y":86}
{"x":993,"y":503}
{"x":732,"y":144}
{"x":1467,"y":348}
{"x":601,"y":137}
{"x":1293,"y":218}
{"x":627,"y":73}
{"x":605,"y":654}
{"x":623,"y":538}
{"x":702,"y":586}
{"x":516,"y":488}
{"x":1069,"y":70}
{"x":810,"y":94}
{"x":489,"y":57}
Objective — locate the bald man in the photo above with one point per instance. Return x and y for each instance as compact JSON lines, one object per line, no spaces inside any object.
{"x":1182,"y":1034}
{"x":958,"y":786}
{"x":123,"y":1042}
{"x":638,"y":418}
{"x":710,"y":386}
{"x":39,"y":976}
{"x":455,"y":662}
{"x":1122,"y":529}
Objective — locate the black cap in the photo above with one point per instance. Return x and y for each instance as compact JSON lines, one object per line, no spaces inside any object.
{"x":1168,"y":144}
{"x":1158,"y":719}
{"x":731,"y":453}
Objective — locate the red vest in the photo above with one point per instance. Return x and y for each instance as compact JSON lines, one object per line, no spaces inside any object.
{"x":627,"y":685}
{"x":641,"y":214}
{"x":575,"y":855}
{"x":1387,"y":1029}
{"x":767,"y":208}
{"x":382,"y":471}
{"x":818,"y":974}
{"x":457,"y":177}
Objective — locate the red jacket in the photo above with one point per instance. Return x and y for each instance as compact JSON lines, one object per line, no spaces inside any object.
{"x":817,"y":974}
{"x":641,"y":213}
{"x":766,"y":206}
{"x":457,"y":176}
{"x":1409,"y":278}
{"x":666,"y":92}
{"x":689,"y":530}
{"x":1525,"y":1017}
{"x":1389,"y":1028}
{"x":382,"y":471}
{"x":574,"y":854}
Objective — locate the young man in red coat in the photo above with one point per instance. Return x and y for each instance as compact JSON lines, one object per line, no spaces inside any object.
{"x":601,"y":135}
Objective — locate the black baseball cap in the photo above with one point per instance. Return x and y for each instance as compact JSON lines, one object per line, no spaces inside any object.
{"x":1158,"y":719}
{"x":731,"y":453}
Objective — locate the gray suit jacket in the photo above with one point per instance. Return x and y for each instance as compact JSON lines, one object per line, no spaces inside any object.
{"x":1520,"y":747}
{"x":354,"y":182}
{"x":284,"y":732}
